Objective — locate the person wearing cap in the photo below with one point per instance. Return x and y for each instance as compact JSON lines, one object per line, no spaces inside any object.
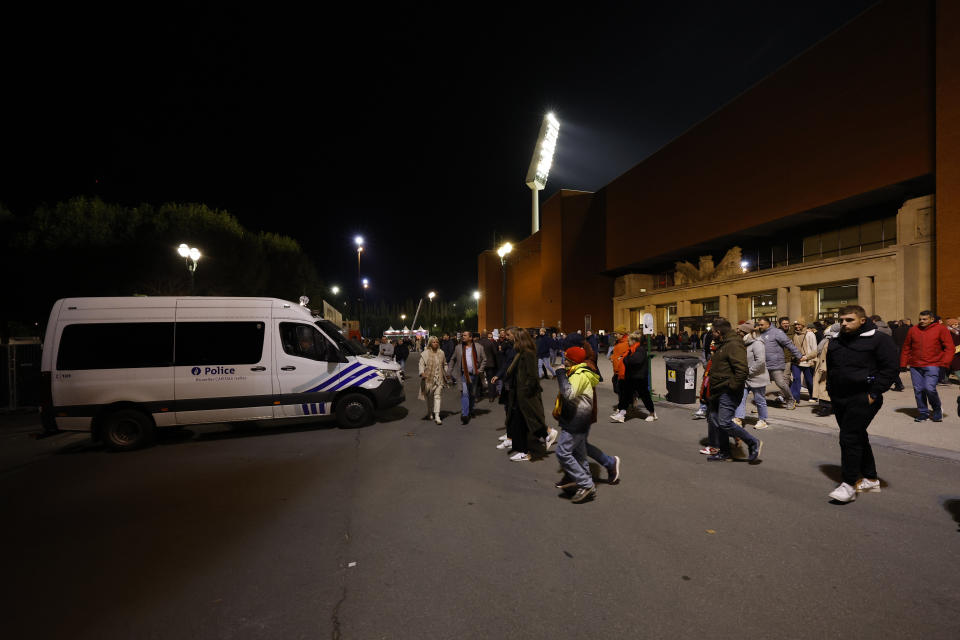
{"x":577,"y":412}
{"x":806,"y":342}
{"x":757,"y":377}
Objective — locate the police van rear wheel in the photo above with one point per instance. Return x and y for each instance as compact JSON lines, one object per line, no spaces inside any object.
{"x":127,"y":429}
{"x":354,"y":410}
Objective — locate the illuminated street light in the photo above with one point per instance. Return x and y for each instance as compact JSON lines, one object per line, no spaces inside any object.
{"x":744,"y":265}
{"x":476,"y":296}
{"x":541,"y":162}
{"x":191,"y":256}
{"x":366,"y":283}
{"x":335,"y":289}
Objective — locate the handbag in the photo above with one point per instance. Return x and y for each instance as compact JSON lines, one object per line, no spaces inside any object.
{"x":558,"y":406}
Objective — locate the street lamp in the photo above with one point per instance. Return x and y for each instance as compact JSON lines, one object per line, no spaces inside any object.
{"x":361,"y":299}
{"x":476,"y":296}
{"x":191,"y":256}
{"x":504,"y":249}
{"x":334,"y":289}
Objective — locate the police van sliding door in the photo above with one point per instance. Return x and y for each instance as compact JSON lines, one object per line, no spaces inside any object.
{"x":223,"y":368}
{"x":309,"y":368}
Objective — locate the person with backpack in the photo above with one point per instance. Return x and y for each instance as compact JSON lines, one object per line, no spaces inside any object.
{"x":576,"y":411}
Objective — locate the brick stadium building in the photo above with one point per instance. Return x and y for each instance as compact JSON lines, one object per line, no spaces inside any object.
{"x":835,"y":180}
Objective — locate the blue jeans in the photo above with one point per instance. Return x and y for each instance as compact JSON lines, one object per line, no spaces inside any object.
{"x":600,"y":456}
{"x":468,"y":394}
{"x":572,"y":455}
{"x":544,"y":363}
{"x":720,"y":424}
{"x":804,"y":374}
{"x":925,"y":389}
{"x":759,"y":398}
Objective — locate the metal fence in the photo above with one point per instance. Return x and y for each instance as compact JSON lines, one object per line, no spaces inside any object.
{"x":20,"y":376}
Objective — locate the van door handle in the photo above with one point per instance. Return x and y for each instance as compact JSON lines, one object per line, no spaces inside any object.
{"x":258,"y":368}
{"x":288,"y":368}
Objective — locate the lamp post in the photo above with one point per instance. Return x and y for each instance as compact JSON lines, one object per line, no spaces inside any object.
{"x":476,"y":296}
{"x":191,"y":256}
{"x":361,"y":299}
{"x":504,"y":249}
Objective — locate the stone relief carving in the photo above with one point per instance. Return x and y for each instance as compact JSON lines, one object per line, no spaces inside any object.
{"x":730,"y":266}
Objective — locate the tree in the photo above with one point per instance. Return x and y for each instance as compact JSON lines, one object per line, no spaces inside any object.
{"x":86,"y":247}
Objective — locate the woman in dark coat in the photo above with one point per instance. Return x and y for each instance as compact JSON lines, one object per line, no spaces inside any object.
{"x":524,"y":400}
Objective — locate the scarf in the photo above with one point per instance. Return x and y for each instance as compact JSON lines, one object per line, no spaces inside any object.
{"x":463,"y":361}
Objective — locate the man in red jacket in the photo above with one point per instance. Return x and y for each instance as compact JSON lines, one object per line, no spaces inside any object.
{"x":927,"y":347}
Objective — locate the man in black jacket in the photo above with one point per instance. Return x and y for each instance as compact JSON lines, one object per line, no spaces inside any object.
{"x":861,"y":365}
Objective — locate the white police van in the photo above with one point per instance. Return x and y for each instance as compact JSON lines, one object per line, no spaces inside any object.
{"x":122,"y":367}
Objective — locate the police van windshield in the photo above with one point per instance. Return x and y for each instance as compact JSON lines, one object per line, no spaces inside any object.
{"x":331,"y":330}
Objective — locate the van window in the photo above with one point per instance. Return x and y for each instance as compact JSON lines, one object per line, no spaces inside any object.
{"x":201,"y":343}
{"x":126,"y":345}
{"x":304,"y":341}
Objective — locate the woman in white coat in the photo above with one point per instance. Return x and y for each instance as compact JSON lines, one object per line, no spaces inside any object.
{"x":433,"y":377}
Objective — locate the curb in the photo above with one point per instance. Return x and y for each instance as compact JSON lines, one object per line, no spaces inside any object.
{"x":880,"y":441}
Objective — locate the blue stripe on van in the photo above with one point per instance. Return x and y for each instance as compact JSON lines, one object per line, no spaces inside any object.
{"x":352,"y":379}
{"x":305,"y":409}
{"x":334,"y":378}
{"x":362,"y":380}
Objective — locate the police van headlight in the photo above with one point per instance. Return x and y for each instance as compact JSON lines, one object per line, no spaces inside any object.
{"x":386,"y":374}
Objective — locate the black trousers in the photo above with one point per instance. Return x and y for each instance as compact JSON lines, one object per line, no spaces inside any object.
{"x":630,"y":387}
{"x":854,"y":414}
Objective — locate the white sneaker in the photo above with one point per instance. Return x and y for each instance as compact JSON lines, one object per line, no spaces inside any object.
{"x":868,"y":486}
{"x":436,"y":418}
{"x":520,"y":457}
{"x":617,"y":417}
{"x":504,"y":437}
{"x":552,"y":436}
{"x":843,"y":493}
{"x":761,"y":424}
{"x":738,"y":422}
{"x":651,"y":417}
{"x":506,"y":444}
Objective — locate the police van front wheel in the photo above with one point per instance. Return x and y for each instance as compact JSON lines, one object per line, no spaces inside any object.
{"x":354,"y":410}
{"x":127,"y":429}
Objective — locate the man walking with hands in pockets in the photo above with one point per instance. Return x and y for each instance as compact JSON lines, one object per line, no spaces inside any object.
{"x":861,"y":365}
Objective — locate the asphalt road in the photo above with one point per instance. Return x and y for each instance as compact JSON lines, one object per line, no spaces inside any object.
{"x":406,"y":529}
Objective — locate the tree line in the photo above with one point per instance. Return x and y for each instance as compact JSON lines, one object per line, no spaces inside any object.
{"x":87,"y":247}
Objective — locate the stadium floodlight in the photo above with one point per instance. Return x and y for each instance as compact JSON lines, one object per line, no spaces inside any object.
{"x":540,"y":163}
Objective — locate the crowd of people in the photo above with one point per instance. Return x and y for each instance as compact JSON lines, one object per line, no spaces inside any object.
{"x":843,"y":367}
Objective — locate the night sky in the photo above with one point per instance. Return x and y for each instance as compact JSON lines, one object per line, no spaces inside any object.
{"x":411,"y":125}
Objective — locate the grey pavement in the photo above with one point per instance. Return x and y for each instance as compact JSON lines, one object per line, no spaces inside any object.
{"x":406,"y":529}
{"x":894,"y":423}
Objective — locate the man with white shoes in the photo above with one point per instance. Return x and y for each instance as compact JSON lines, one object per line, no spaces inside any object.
{"x":861,"y":365}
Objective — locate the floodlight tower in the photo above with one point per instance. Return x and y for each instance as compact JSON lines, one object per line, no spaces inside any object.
{"x":540,"y":164}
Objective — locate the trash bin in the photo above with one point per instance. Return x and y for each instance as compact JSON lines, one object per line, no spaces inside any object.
{"x":682,"y":379}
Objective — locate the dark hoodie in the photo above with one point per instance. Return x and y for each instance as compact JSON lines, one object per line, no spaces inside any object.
{"x":862,"y":361}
